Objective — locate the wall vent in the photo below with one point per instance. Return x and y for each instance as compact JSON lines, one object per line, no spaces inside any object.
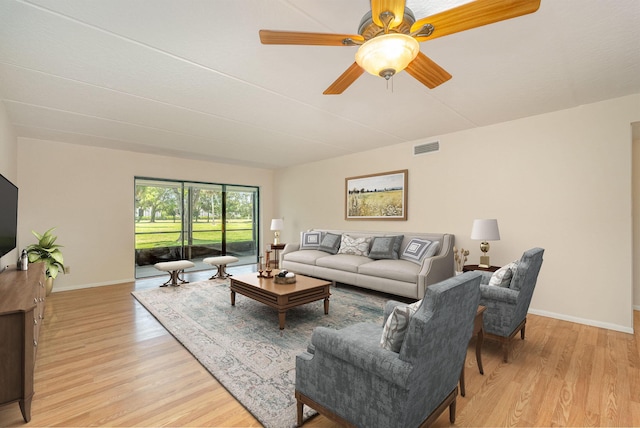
{"x":423,"y":149}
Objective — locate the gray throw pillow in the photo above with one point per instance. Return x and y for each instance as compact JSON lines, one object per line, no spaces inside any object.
{"x":330,"y":243}
{"x":386,"y":247}
{"x":416,"y":250}
{"x":310,"y":240}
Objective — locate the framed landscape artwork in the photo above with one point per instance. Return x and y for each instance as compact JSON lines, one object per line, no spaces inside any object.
{"x":377,"y":196}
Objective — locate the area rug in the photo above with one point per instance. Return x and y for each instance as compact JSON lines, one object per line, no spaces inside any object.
{"x":242,"y":346}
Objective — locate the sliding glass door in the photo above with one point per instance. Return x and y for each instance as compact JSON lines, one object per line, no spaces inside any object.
{"x":184,"y":220}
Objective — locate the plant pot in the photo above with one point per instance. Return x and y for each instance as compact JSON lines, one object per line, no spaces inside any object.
{"x":48,"y":285}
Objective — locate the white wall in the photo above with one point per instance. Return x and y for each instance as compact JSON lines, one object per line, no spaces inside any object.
{"x":8,"y":167}
{"x":561,"y":181}
{"x":87,"y":193}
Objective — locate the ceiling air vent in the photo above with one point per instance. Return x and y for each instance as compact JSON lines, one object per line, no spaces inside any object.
{"x":423,"y":149}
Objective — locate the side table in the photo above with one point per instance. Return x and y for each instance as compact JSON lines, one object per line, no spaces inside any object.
{"x":467,"y":268}
{"x":276,"y":249}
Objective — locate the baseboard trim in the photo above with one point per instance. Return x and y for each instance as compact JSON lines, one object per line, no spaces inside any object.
{"x":584,"y":321}
{"x":57,"y":288}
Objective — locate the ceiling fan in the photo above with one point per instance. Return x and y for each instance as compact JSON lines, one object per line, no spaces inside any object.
{"x":388,"y":37}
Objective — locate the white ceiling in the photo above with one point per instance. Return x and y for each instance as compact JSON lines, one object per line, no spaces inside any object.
{"x":190,"y":78}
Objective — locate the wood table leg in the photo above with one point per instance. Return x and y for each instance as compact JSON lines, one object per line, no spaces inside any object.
{"x":479,"y":341}
{"x":281,"y":318}
{"x":462,"y":388}
{"x":233,"y":298}
{"x":326,"y":306}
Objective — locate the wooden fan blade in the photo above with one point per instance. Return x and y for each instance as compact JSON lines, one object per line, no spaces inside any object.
{"x":427,"y":72}
{"x":345,"y":80}
{"x":396,"y":7}
{"x":270,"y":37}
{"x":474,"y":14}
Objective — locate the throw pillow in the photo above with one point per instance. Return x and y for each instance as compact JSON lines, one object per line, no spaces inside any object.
{"x":502,"y":277}
{"x":354,"y":246}
{"x":330,"y":243}
{"x":385,"y":247}
{"x":416,"y":250}
{"x":395,"y":329}
{"x":310,"y":240}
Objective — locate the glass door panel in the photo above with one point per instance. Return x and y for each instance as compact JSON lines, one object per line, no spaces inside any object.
{"x":182,"y":220}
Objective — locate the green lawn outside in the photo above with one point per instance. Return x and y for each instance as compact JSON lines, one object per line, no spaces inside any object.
{"x":166,"y":233}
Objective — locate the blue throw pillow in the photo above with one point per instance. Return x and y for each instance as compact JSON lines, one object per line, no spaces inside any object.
{"x":330,"y":243}
{"x":386,"y":247}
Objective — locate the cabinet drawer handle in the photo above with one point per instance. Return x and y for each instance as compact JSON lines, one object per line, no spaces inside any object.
{"x":35,"y":321}
{"x":35,"y":300}
{"x":35,"y":343}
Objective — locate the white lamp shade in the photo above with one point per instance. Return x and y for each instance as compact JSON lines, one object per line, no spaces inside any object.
{"x":277,"y":224}
{"x":387,"y":52}
{"x":485,"y":230}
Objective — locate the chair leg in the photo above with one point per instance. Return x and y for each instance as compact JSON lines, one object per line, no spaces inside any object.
{"x":452,"y":412}
{"x":300,"y":407}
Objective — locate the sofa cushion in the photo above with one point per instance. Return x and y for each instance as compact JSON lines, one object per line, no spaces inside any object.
{"x":310,"y":240}
{"x":396,"y":326}
{"x":344,"y":262}
{"x":308,"y":257}
{"x":385,"y":247}
{"x":400,"y":270}
{"x":354,"y":246}
{"x":418,"y":249}
{"x":330,"y":243}
{"x":502,"y":277}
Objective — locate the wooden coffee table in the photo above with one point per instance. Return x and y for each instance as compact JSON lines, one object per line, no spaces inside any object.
{"x":281,"y":296}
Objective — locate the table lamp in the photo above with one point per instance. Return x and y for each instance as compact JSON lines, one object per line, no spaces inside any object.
{"x":277,"y":224}
{"x":485,"y":230}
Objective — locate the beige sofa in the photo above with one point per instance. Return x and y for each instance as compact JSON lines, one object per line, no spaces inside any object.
{"x":405,"y":276}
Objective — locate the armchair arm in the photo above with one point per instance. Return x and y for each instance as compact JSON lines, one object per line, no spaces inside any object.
{"x":354,"y":346}
{"x":486,"y":277}
{"x":498,"y":294}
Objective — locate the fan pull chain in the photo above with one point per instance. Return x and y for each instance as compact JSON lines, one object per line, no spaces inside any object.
{"x":390,"y":80}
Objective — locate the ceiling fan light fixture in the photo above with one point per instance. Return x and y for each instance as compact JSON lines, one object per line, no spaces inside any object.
{"x":387,"y":54}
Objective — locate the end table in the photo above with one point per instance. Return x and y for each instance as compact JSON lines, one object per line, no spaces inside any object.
{"x":276,"y":258}
{"x":467,"y":268}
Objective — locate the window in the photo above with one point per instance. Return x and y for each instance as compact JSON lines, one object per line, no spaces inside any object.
{"x":186,"y":220}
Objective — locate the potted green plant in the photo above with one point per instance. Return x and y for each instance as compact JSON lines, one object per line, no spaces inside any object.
{"x":47,"y":251}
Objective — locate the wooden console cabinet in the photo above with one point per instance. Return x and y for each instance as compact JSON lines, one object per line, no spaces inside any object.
{"x":22,"y":299}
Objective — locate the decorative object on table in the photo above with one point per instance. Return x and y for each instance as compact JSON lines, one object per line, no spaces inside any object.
{"x":485,"y":230}
{"x":377,"y":196}
{"x":277,"y":224}
{"x":23,"y":261}
{"x":264,"y":270}
{"x":460,"y":259}
{"x":284,"y":277}
{"x":47,"y":251}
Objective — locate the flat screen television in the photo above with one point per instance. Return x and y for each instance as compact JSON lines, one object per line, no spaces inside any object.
{"x":8,"y":215}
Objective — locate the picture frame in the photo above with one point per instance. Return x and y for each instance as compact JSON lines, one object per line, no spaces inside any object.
{"x":381,"y":196}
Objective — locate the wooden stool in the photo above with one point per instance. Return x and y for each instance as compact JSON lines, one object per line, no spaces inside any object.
{"x":174,"y":269}
{"x":221,"y":263}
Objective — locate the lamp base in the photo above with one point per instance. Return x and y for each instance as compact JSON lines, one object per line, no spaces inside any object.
{"x":484,"y":262}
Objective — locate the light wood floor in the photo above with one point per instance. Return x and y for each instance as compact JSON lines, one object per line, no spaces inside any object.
{"x":103,"y":360}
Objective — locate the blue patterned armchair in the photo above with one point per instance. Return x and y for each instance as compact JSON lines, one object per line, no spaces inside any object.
{"x":507,"y":304}
{"x":349,"y":377}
